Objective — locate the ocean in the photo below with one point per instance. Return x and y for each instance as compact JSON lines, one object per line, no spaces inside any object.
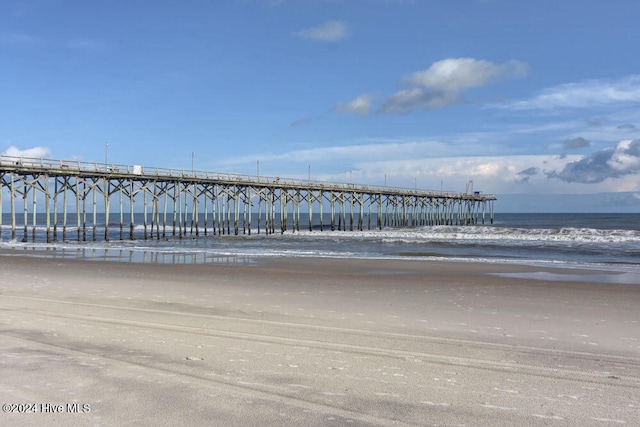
{"x":567,"y":240}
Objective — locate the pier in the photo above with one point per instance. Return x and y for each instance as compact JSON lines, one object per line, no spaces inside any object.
{"x":74,"y":200}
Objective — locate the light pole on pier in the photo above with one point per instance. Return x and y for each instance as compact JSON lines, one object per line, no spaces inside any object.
{"x":106,"y":154}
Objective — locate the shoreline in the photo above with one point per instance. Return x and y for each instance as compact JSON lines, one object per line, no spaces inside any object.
{"x":613,"y":273}
{"x":293,"y":341}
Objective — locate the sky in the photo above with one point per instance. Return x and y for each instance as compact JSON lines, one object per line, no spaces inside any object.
{"x":535,"y":101}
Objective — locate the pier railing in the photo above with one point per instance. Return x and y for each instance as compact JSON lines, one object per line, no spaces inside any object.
{"x":181,"y":202}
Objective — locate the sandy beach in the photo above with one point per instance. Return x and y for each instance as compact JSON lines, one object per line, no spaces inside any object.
{"x":304,"y":341}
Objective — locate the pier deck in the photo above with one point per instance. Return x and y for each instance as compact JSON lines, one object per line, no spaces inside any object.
{"x":181,"y":203}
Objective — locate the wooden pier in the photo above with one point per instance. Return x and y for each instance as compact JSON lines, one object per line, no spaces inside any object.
{"x":67,"y":198}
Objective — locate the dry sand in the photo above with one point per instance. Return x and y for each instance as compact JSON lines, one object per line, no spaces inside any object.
{"x":314,"y":342}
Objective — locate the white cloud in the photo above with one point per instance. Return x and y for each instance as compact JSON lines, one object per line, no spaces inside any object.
{"x":454,"y":74}
{"x":35,"y":152}
{"x":507,"y":168}
{"x":360,"y":105}
{"x":350,"y":154}
{"x":626,"y":157}
{"x":588,"y":93}
{"x":330,"y":31}
{"x":442,"y":83}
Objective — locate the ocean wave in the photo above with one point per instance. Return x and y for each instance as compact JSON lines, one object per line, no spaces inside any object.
{"x":432,"y":234}
{"x":487,"y":234}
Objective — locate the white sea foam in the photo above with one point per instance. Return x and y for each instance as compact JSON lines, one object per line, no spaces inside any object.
{"x":449,"y":233}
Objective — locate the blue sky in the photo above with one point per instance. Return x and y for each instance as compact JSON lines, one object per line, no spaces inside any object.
{"x":528,"y":99}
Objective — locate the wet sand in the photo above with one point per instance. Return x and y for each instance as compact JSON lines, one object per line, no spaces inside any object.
{"x":315,"y":342}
